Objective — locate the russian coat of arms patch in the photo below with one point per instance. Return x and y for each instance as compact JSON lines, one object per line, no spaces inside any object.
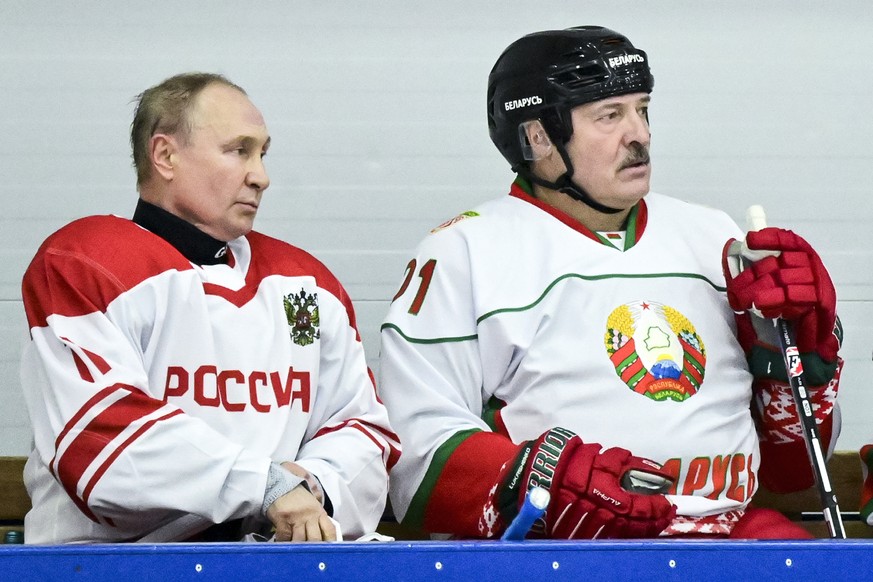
{"x":301,"y":310}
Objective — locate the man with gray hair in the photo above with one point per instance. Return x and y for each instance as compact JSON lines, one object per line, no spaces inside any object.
{"x":189,"y":378}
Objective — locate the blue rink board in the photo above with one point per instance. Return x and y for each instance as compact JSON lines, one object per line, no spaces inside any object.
{"x":643,"y":561}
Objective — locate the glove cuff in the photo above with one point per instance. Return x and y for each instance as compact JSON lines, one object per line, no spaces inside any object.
{"x":766,"y":362}
{"x":279,"y":482}
{"x":534,"y":466}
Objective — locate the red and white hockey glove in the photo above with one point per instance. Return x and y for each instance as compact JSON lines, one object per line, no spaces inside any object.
{"x":588,"y":499}
{"x":792,"y":285}
{"x":778,"y":275}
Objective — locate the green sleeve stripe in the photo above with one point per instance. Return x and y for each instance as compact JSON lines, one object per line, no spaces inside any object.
{"x":415,"y":515}
{"x":489,"y":414}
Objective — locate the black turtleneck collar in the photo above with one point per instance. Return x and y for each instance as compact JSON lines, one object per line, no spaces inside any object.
{"x":197,"y":246}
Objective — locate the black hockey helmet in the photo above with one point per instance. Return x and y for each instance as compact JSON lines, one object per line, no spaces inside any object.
{"x":545,"y":74}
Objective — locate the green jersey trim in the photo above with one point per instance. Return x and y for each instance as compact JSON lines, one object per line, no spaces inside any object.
{"x":632,"y":222}
{"x":489,"y":414}
{"x":630,"y":236}
{"x":471,"y":337}
{"x":598,"y":278}
{"x":415,"y":514}
{"x":767,"y":363}
{"x":436,"y":340}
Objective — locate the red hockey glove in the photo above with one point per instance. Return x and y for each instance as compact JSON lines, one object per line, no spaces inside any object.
{"x":590,"y":490}
{"x":793,"y":285}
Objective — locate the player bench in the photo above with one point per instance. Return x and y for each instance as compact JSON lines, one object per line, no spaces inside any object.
{"x":14,"y":501}
{"x":802,"y":506}
{"x":844,"y":470}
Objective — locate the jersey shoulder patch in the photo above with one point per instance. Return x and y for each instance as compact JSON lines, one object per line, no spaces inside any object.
{"x":455,"y":220}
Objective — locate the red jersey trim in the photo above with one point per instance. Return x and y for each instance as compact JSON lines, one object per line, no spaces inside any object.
{"x":518,"y":191}
{"x":98,"y":474}
{"x":87,"y":264}
{"x":78,"y":270}
{"x":97,"y":435}
{"x":454,"y":500}
{"x":368,"y":428}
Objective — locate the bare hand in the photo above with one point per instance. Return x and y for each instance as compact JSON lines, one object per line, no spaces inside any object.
{"x":311,"y":482}
{"x":299,"y":517}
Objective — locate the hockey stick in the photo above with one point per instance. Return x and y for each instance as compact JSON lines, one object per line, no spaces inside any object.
{"x":535,"y":502}
{"x":794,"y":368}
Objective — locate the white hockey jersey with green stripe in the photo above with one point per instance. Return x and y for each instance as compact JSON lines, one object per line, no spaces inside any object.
{"x":514,"y":314}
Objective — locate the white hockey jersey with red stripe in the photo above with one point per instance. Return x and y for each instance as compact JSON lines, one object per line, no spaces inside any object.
{"x":159,"y":389}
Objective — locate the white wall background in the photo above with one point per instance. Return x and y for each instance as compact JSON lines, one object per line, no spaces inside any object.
{"x":377,"y":112}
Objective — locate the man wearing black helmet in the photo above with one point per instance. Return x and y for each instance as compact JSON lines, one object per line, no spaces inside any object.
{"x":579,"y":334}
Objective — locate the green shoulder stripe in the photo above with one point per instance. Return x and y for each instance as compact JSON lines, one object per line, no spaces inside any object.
{"x":599,"y":278}
{"x":415,"y":515}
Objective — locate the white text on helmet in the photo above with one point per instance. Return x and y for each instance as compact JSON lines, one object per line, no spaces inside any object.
{"x":519,"y":103}
{"x":625,"y":60}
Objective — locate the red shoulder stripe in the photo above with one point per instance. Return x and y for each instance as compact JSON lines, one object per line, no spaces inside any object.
{"x":84,"y":266}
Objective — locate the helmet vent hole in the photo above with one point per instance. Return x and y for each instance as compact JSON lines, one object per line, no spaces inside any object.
{"x":580,"y":77}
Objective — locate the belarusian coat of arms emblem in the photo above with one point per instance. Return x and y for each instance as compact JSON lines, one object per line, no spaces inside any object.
{"x":655,"y":350}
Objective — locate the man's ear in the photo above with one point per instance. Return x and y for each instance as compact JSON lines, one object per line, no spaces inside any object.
{"x":538,"y":140}
{"x":162,"y":154}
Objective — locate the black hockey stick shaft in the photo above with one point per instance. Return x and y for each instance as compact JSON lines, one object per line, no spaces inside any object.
{"x":756,"y":219}
{"x":805,"y":412}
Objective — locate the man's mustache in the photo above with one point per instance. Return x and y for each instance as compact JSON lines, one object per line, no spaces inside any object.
{"x":639,"y":154}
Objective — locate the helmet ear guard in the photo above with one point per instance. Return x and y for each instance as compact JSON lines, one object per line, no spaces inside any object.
{"x":534,"y":140}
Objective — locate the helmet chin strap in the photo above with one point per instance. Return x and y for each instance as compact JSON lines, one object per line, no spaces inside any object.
{"x":566,"y":185}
